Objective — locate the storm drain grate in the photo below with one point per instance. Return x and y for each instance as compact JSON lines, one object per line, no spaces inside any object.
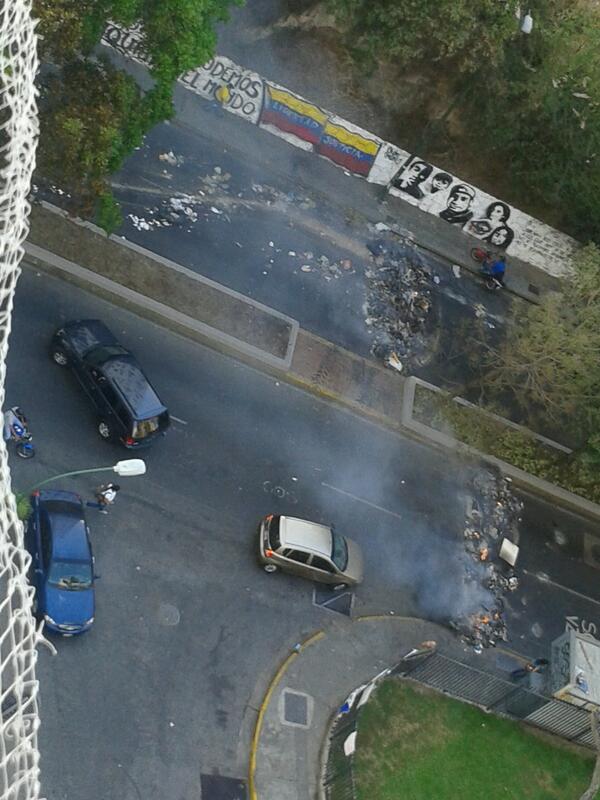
{"x":533,"y":289}
{"x":296,"y":708}
{"x":216,"y":787}
{"x":341,"y":602}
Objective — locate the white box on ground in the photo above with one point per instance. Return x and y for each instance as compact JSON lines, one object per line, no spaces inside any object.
{"x":509,"y":552}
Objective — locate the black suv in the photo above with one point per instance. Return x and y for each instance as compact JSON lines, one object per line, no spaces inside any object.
{"x":128,"y":407}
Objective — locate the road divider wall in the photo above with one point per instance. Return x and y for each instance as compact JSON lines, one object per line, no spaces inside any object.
{"x":360,"y":153}
{"x":213,"y":311}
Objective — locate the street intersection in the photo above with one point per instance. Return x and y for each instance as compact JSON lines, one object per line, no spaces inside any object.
{"x":188,"y":630}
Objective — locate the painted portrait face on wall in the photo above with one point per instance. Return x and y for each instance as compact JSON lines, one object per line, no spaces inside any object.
{"x":460,"y":199}
{"x":498,"y":212}
{"x":410,"y":178}
{"x":458,"y":208}
{"x":501,"y":237}
{"x":495,"y":217}
{"x":417,"y":172}
{"x":440,"y":181}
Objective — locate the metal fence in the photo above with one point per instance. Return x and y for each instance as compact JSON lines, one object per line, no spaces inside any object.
{"x":464,"y":682}
{"x":338,"y":779}
{"x":338,"y":775}
{"x":494,"y":693}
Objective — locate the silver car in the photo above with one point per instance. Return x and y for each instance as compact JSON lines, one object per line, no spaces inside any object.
{"x":309,"y":549}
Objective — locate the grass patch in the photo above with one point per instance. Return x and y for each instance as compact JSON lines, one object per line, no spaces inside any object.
{"x":476,"y":429}
{"x":415,"y":744}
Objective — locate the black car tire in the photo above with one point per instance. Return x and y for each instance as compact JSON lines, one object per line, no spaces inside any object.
{"x":105,"y":431}
{"x":270,"y":568}
{"x":59,"y":356}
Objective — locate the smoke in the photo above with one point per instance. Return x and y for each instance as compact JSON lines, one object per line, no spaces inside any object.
{"x":448,"y":584}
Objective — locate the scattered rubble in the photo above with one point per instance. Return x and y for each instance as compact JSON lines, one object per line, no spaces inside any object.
{"x":171,"y":159}
{"x":491,"y":525}
{"x":399,"y":304}
{"x":328,"y":268}
{"x":272,"y":196}
{"x":218,"y":181}
{"x":139,"y":223}
{"x":394,"y":362}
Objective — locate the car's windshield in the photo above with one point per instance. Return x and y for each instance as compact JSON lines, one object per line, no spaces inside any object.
{"x":339,"y":551}
{"x":70,"y":575}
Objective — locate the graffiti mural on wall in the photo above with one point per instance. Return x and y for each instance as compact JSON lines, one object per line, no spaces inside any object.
{"x":239,"y":91}
{"x":407,"y":176}
{"x":307,"y":126}
{"x":408,"y":180}
{"x":455,"y":202}
{"x":348,"y":148}
{"x":127,"y":41}
{"x":285,"y":113}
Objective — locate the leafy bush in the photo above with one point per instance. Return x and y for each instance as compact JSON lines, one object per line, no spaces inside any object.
{"x":91,"y":117}
{"x":490,"y":436}
{"x":408,"y":31}
{"x":108,"y":214}
{"x":92,"y":114}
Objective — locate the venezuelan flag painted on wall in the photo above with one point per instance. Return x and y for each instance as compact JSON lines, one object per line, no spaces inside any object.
{"x":350,"y":150}
{"x":289,"y":113}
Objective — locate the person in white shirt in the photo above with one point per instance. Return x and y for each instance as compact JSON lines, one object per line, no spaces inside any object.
{"x":105,"y":496}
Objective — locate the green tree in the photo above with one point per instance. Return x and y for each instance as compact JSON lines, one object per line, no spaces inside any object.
{"x":552,"y":359}
{"x":93,"y":115}
{"x":63,"y":28}
{"x":470,"y":34}
{"x":178,"y":35}
{"x":541,"y":113}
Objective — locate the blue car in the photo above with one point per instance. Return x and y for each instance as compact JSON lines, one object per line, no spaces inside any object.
{"x":62,"y":568}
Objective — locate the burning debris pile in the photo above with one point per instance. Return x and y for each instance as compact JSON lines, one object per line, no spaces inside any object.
{"x":491,"y":525}
{"x":399,"y":303}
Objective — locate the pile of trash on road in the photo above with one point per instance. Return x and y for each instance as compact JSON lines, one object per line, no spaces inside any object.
{"x":491,"y":527}
{"x":327,"y":267}
{"x":399,"y":303}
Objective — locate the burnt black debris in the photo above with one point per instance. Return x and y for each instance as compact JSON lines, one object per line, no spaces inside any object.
{"x":399,"y":302}
{"x":493,"y":513}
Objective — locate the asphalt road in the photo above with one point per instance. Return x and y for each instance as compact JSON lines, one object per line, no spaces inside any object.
{"x":252,"y":226}
{"x":188,"y":628}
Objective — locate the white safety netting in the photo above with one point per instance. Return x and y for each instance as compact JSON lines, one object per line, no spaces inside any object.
{"x":19,"y":756}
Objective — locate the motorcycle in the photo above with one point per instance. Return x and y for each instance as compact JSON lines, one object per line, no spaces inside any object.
{"x":15,"y":429}
{"x":485,"y":258}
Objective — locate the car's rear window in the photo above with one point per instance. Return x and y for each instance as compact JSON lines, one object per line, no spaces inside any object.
{"x":145,"y":427}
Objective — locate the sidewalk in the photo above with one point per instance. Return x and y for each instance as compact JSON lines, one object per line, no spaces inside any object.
{"x":310,"y":686}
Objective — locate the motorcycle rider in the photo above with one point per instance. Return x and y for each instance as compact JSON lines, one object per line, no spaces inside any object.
{"x":15,"y":424}
{"x":495,"y":267}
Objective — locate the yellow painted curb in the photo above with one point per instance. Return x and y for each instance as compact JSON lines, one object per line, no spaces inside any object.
{"x":263,"y":707}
